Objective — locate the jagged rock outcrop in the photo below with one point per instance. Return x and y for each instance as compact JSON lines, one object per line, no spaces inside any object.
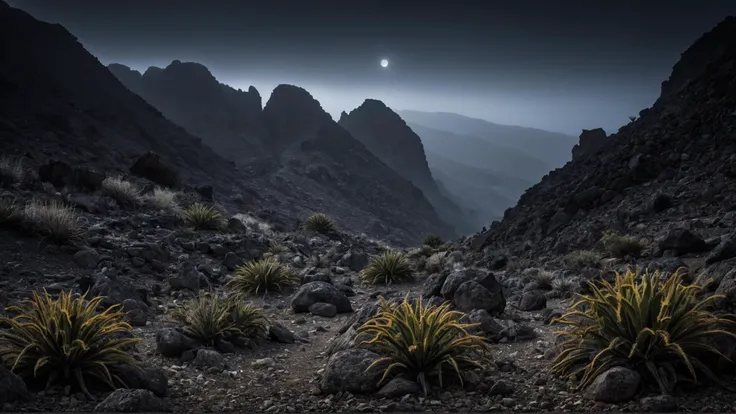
{"x":387,"y":136}
{"x":683,"y":147}
{"x":187,"y":93}
{"x":590,"y":141}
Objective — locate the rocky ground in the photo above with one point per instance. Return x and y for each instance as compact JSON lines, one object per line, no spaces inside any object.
{"x":149,"y":261}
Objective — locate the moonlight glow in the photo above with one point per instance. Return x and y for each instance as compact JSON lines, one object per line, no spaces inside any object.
{"x":384,"y":63}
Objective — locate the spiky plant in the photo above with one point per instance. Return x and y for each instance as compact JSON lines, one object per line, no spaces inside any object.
{"x":54,"y":221}
{"x":564,"y":286}
{"x":581,"y":259}
{"x":249,"y":319}
{"x":432,"y":240}
{"x":11,"y":171}
{"x":621,"y":246}
{"x":164,"y":199}
{"x":390,"y":267}
{"x":66,"y":339}
{"x":658,"y":328}
{"x":9,"y":212}
{"x":419,"y":340}
{"x":210,"y":318}
{"x":544,"y":279}
{"x":261,"y":276}
{"x":437,"y":261}
{"x":202,"y":217}
{"x":319,"y":223}
{"x":122,"y":191}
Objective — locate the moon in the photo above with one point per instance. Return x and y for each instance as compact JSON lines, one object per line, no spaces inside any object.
{"x":384,"y":63}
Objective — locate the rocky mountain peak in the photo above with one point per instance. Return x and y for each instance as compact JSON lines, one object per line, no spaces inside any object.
{"x":292,"y":115}
{"x":703,"y":52}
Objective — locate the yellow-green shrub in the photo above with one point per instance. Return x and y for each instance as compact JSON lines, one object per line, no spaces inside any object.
{"x":202,"y":217}
{"x":390,"y":267}
{"x":211,"y":317}
{"x":581,"y":259}
{"x":261,"y":276}
{"x":433,"y":241}
{"x":66,"y":339}
{"x":621,"y":246}
{"x":657,"y":328}
{"x":319,"y":223}
{"x":419,"y":340}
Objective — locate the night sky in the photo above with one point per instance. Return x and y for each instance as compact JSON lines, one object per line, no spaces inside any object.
{"x":558,"y":65}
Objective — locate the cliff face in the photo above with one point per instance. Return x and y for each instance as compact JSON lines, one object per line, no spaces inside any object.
{"x":590,"y":140}
{"x":229,"y":120}
{"x":387,"y":136}
{"x":682,"y":150}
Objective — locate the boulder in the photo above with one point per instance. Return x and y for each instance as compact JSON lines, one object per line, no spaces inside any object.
{"x":398,"y":387}
{"x":347,"y":370}
{"x":454,"y":280}
{"x":317,"y":277}
{"x":12,"y":387}
{"x":86,"y":258}
{"x":326,"y":310}
{"x":209,"y":359}
{"x":145,"y":377}
{"x":152,"y":167}
{"x":172,"y":343}
{"x":316,"y":292}
{"x":683,"y":241}
{"x":532,"y":301}
{"x":432,"y":286}
{"x":281,"y":334}
{"x":659,"y":404}
{"x":725,"y":250}
{"x":472,"y":295}
{"x":355,"y":260}
{"x":485,"y":324}
{"x":131,"y":401}
{"x":616,"y":385}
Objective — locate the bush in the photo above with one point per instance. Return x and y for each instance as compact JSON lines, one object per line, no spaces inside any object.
{"x":437,"y":261}
{"x":9,"y":212}
{"x":261,"y":276}
{"x":164,"y":199}
{"x":54,"y":221}
{"x":390,"y":267}
{"x":122,"y":191}
{"x":433,"y":241}
{"x":67,"y":339}
{"x":581,"y":259}
{"x":544,"y":279}
{"x":621,"y":246}
{"x":211,"y":318}
{"x":417,"y":340}
{"x":202,"y":217}
{"x":11,"y":171}
{"x":565,"y":286}
{"x":320,"y":223}
{"x":658,"y":328}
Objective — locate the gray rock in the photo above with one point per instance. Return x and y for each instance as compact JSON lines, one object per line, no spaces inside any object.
{"x":317,"y":277}
{"x":454,"y":280}
{"x":659,"y":404}
{"x":472,"y":295}
{"x":327,"y":310}
{"x":146,"y":377}
{"x":86,"y":258}
{"x":234,"y":225}
{"x":532,"y":301}
{"x":12,"y":387}
{"x":682,"y":241}
{"x":136,"y":317}
{"x":115,"y":290}
{"x":486,"y":325}
{"x":355,"y":260}
{"x":432,"y":286}
{"x":347,"y":370}
{"x":281,"y":334}
{"x":207,"y":358}
{"x":316,"y":292}
{"x":231,"y":261}
{"x":502,"y":387}
{"x":187,"y":279}
{"x":399,"y":387}
{"x":172,"y":343}
{"x":618,"y":384}
{"x":725,"y":250}
{"x":131,"y":401}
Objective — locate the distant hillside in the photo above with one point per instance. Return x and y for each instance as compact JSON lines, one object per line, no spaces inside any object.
{"x":551,"y":148}
{"x":387,"y":136}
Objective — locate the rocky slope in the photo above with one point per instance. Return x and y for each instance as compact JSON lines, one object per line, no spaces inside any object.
{"x":671,"y":170}
{"x":387,"y":136}
{"x":58,"y":97}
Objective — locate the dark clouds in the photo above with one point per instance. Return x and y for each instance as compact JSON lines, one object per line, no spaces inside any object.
{"x":561,"y":65}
